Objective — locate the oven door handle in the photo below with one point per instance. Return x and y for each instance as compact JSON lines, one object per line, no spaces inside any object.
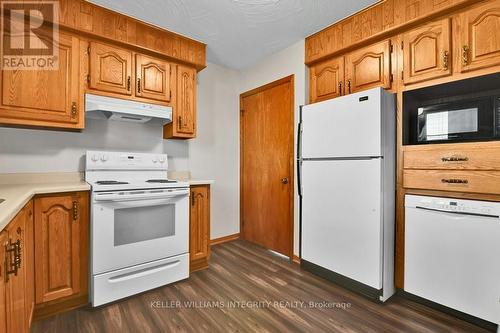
{"x":135,"y":195}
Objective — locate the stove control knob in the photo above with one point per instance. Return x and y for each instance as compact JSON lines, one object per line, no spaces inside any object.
{"x":162,"y":159}
{"x":104,"y":157}
{"x":94,"y":158}
{"x":155,"y":159}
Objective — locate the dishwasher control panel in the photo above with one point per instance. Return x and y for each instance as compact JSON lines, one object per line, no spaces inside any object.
{"x":454,"y":205}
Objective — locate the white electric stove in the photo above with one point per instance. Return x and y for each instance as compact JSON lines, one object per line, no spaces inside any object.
{"x":139,"y":224}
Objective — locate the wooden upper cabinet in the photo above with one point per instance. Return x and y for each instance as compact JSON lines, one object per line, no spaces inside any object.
{"x":199,"y":230}
{"x":185,"y":110}
{"x":427,"y":52}
{"x":326,"y":79}
{"x":479,"y":35}
{"x":110,"y":69}
{"x":153,"y":78}
{"x":46,"y":98}
{"x":59,"y":223}
{"x":369,"y":67}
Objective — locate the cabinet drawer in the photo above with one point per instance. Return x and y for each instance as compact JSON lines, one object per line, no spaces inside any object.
{"x":463,"y":158}
{"x":487,"y":182}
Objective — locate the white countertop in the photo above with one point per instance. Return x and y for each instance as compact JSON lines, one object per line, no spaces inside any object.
{"x":200,"y":181}
{"x":18,"y":189}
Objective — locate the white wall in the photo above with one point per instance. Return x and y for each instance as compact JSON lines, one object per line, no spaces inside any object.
{"x":214,"y":154}
{"x":34,"y":150}
{"x":284,"y":63}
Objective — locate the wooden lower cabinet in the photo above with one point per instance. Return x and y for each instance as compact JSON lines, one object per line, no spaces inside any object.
{"x":62,"y":247}
{"x":199,"y":227}
{"x":16,"y":293}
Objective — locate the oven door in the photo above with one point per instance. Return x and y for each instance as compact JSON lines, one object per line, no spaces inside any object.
{"x":469,"y":120}
{"x":135,"y":227}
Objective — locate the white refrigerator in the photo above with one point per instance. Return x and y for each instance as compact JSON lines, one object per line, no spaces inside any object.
{"x":346,"y":180}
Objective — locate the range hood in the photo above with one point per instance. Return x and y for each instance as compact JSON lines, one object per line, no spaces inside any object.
{"x":101,"y":107}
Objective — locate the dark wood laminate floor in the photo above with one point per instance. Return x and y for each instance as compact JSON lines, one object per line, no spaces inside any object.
{"x":242,"y":272}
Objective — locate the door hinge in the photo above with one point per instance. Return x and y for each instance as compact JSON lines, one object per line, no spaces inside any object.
{"x":88,"y":50}
{"x":392,"y":78}
{"x":391,"y":48}
{"x":402,"y":45}
{"x":402,"y":76}
{"x":87,"y":77}
{"x":170,"y":95}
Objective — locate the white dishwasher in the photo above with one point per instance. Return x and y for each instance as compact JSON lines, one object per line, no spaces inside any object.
{"x":452,"y":254}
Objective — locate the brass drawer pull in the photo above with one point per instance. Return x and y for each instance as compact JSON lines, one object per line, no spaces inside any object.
{"x":139,"y":85}
{"x":180,"y":121}
{"x":349,"y":86}
{"x":340,"y":88}
{"x":445,"y":60}
{"x":455,"y":159}
{"x":128,"y":83}
{"x":465,"y":55}
{"x":454,"y":181}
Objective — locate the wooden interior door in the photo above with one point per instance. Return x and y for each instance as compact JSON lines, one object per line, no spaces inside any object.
{"x":153,"y":78}
{"x":110,"y":69}
{"x":480,"y":38}
{"x":57,"y":243}
{"x":369,"y":67}
{"x":326,"y":79}
{"x":185,"y":109}
{"x":427,"y":52}
{"x":266,"y":192}
{"x":45,"y":97}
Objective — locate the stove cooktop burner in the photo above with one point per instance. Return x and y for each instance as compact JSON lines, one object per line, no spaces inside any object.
{"x":164,"y":181}
{"x":110,"y":182}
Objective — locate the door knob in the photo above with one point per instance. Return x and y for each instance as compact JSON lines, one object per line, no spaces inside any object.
{"x":284,"y":180}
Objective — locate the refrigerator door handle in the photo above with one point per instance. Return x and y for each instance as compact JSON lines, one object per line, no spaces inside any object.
{"x":299,"y":153}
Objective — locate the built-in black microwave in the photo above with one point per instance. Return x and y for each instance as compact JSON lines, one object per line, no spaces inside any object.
{"x":451,"y":116}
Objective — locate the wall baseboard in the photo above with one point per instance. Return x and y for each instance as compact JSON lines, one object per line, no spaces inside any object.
{"x":224,"y":239}
{"x":296,"y":259}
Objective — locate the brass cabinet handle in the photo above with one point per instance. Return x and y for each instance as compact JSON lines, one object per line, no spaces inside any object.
{"x":465,"y":55}
{"x":454,"y":181}
{"x":455,"y":159}
{"x":139,"y":85}
{"x":74,"y":110}
{"x":445,"y":60}
{"x":340,"y":87}
{"x":12,"y":258}
{"x":75,"y":210}
{"x":128,"y":83}
{"x":179,"y":118}
{"x":349,"y":86}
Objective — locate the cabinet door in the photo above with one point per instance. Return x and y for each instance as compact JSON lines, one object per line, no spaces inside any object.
{"x":110,"y":69}
{"x":480,"y":38}
{"x":199,"y":233}
{"x":427,"y":52}
{"x":153,"y":78}
{"x":3,"y":300}
{"x":185,"y":109}
{"x":369,"y":67}
{"x":326,"y":79}
{"x":29,"y":254}
{"x":44,"y":97}
{"x":15,"y":287}
{"x":58,"y":224}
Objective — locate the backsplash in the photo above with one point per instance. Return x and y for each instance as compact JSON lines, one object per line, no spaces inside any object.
{"x":29,"y":150}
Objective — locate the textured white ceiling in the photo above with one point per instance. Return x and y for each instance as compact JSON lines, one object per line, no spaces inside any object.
{"x":239,"y":32}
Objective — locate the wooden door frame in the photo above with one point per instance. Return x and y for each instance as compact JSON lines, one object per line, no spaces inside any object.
{"x":288,"y":79}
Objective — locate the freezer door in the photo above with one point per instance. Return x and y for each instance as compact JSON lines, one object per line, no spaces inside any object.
{"x":348,"y":126}
{"x":342,"y":218}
